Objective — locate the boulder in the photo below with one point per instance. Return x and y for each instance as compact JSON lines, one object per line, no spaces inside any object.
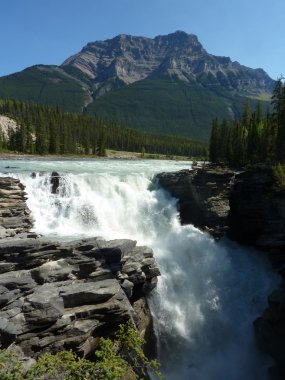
{"x":55,"y":182}
{"x":78,"y":294}
{"x":43,"y":306}
{"x":7,"y":332}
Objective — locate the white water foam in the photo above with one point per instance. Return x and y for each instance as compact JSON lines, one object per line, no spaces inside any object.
{"x":208,"y":294}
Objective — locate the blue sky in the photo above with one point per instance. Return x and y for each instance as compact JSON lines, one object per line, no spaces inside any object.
{"x":48,"y":31}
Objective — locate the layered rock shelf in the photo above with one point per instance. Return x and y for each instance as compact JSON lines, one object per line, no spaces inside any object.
{"x":15,"y":217}
{"x":56,"y":295}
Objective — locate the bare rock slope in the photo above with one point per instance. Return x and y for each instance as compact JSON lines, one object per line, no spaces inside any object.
{"x":7,"y":125}
{"x":126,"y":59}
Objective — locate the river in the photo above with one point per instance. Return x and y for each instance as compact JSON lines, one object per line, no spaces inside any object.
{"x":208,"y":294}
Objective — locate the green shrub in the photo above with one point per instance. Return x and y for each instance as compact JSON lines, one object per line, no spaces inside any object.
{"x":124,"y":358}
{"x":120,"y":359}
{"x":10,"y":366}
{"x":64,"y":365}
{"x":279,"y":178}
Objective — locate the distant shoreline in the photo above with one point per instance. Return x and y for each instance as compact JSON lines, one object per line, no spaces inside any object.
{"x":14,"y":156}
{"x":110,"y":156}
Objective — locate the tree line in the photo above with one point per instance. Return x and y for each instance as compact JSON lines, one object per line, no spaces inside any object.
{"x":49,"y":130}
{"x":258,"y":137}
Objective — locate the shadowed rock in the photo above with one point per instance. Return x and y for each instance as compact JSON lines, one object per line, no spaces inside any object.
{"x":55,"y":181}
{"x":203,"y":196}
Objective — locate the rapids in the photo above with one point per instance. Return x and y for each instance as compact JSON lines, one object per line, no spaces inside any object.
{"x":208,"y":294}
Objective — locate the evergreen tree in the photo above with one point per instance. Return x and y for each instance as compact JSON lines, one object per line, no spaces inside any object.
{"x":41,"y":135}
{"x":54,"y":142}
{"x":49,"y":130}
{"x":278,"y":101}
{"x":254,"y":138}
{"x":246,"y":114}
{"x":214,"y":141}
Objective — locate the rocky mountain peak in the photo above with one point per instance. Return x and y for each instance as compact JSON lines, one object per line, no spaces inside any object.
{"x":179,"y":39}
{"x":126,"y":59}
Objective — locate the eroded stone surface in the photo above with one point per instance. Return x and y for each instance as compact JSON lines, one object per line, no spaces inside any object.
{"x":60,"y":295}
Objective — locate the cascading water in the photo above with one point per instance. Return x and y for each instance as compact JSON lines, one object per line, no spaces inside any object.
{"x":208,"y":294}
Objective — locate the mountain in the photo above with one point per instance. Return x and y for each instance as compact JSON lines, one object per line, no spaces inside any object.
{"x":125,"y":59}
{"x":168,"y":84}
{"x":47,"y":85}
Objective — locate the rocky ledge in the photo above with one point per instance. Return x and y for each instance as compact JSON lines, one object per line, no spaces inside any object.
{"x":56,"y":296}
{"x":244,"y":206}
{"x":203,"y":196}
{"x":15,"y":216}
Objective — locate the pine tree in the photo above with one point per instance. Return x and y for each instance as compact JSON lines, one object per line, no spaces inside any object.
{"x":246,"y":114}
{"x":278,"y":101}
{"x":41,"y":134}
{"x":214,"y":141}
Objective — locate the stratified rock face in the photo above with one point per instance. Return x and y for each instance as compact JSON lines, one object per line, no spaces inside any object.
{"x":14,"y":214}
{"x":56,"y":296}
{"x":203,"y":196}
{"x":64,"y":296}
{"x":126,"y":59}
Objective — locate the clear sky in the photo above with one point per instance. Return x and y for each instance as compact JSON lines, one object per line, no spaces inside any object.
{"x":49,"y":31}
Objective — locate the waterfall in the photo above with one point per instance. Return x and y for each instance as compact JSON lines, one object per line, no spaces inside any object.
{"x":208,"y":294}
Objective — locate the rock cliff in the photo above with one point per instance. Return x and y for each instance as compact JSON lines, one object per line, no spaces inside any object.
{"x":258,"y":212}
{"x":56,"y":295}
{"x":247,"y":208}
{"x":257,"y":217}
{"x":203,"y":196}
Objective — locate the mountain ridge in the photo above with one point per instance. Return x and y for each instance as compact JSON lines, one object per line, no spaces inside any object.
{"x":130,"y":59}
{"x":167,"y":84}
